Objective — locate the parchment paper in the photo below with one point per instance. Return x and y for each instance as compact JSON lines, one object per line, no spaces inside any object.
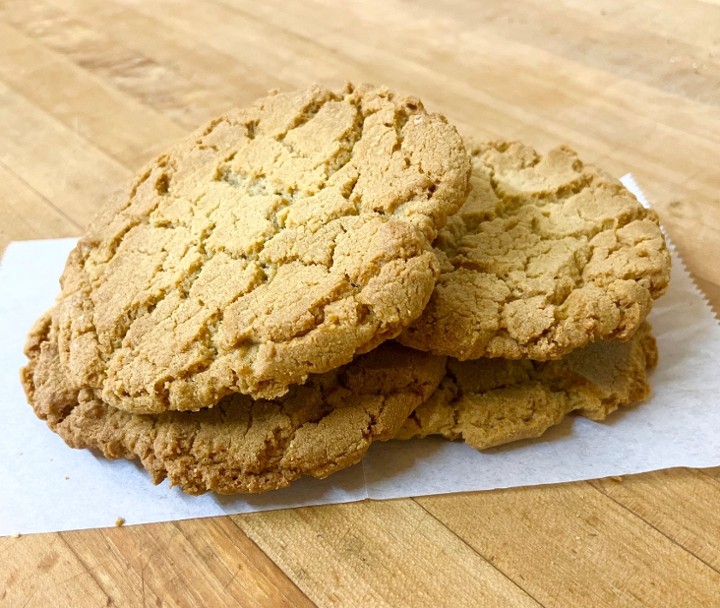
{"x":46,"y":486}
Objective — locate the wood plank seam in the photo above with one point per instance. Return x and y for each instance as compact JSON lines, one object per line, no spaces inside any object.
{"x":634,"y":513}
{"x":49,"y":203}
{"x":102,"y":84}
{"x":86,"y":567}
{"x":241,"y":531}
{"x":478,"y":553}
{"x":92,"y":144}
{"x":138,"y":56}
{"x":135,"y":46}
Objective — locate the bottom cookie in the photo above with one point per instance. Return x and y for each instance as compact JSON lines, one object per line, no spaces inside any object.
{"x":246,"y":445}
{"x":489,"y":402}
{"x":241,"y":444}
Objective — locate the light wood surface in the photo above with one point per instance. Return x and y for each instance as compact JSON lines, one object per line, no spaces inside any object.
{"x":91,"y":89}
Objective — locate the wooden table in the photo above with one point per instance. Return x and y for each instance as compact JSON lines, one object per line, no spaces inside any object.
{"x":89,"y":90}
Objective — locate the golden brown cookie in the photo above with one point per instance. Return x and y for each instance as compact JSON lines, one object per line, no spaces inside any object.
{"x":281,"y":240}
{"x":489,"y":402}
{"x":547,"y":255}
{"x":242,"y":445}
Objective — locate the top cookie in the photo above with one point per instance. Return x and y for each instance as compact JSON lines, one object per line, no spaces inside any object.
{"x":281,"y":240}
{"x":547,"y":255}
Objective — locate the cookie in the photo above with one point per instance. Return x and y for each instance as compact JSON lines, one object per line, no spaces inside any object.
{"x":241,"y":444}
{"x":279,"y":241}
{"x":489,"y":402}
{"x":547,"y":255}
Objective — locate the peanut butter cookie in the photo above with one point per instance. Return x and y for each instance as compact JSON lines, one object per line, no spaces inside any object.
{"x":489,"y":402}
{"x":547,"y":255}
{"x":241,"y":444}
{"x":280,"y":240}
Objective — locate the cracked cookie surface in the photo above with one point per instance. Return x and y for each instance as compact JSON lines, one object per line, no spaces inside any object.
{"x":241,"y":444}
{"x":547,"y":255}
{"x":489,"y":402}
{"x":281,"y":240}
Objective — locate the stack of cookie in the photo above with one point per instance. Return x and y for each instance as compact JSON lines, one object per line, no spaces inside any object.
{"x":329,"y":268}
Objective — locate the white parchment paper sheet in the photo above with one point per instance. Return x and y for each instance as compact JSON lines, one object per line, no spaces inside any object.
{"x":46,"y":486}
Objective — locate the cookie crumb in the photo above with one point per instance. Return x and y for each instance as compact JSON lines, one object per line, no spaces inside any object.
{"x":67,"y":477}
{"x":119,"y":522}
{"x":616,"y":478}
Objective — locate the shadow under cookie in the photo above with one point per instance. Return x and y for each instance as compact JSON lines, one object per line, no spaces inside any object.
{"x":491,"y":402}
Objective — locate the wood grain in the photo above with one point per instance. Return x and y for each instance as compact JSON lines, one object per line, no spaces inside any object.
{"x":601,"y":538}
{"x":91,"y":90}
{"x":379,"y":554}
